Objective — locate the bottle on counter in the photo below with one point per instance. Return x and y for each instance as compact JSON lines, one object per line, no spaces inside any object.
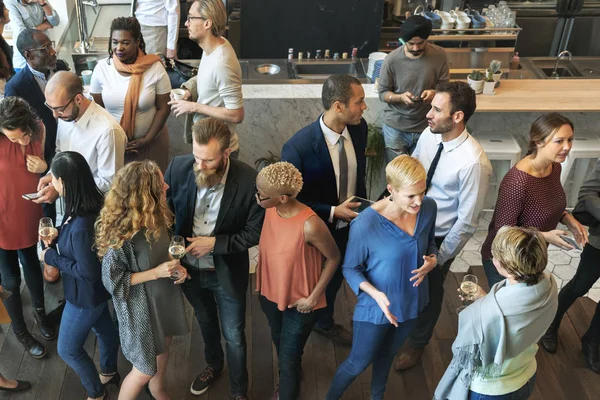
{"x":308,"y":55}
{"x":354,"y":52}
{"x":291,"y":53}
{"x":300,"y":55}
{"x":327,"y":54}
{"x":318,"y":55}
{"x":515,"y":61}
{"x":344,"y":56}
{"x":336,"y":56}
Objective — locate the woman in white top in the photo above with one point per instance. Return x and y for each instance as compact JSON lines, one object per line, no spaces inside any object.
{"x":134,"y":87}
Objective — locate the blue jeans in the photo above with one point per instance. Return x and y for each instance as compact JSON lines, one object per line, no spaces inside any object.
{"x":491,"y":272}
{"x":371,"y":344}
{"x":289,"y":330}
{"x":398,"y":142}
{"x":209,"y":300}
{"x":75,"y":326}
{"x":521,"y":394}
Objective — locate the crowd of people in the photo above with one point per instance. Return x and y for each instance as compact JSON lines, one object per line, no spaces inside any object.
{"x":148,"y":233}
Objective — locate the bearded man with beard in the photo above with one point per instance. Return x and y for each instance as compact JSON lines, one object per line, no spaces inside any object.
{"x":458,"y":175}
{"x":406,"y":82}
{"x":213,"y":199}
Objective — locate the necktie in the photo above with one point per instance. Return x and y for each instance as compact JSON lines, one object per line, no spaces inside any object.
{"x":434,"y":164}
{"x":343,"y":189}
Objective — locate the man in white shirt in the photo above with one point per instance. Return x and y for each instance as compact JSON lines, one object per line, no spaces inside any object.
{"x":84,"y":127}
{"x":458,"y":174}
{"x":217,"y":89}
{"x":159,"y":20}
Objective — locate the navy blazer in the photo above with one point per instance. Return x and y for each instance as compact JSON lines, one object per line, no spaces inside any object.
{"x":308,"y":151}
{"x":238,"y":224}
{"x":24,"y":85}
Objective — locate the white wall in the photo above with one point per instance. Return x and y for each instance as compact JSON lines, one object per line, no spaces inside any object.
{"x":64,"y":8}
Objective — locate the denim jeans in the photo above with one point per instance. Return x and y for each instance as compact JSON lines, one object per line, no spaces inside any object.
{"x":398,"y":142}
{"x":371,"y":344}
{"x":209,"y":300}
{"x":289,"y":330}
{"x":420,"y":336}
{"x":491,"y":272}
{"x":521,"y":394}
{"x":10,"y":273}
{"x":587,"y":274}
{"x":75,"y":326}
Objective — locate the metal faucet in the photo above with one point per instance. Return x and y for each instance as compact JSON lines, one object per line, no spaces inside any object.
{"x":561,"y":55}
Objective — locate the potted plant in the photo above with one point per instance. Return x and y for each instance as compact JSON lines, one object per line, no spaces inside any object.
{"x":375,"y":153}
{"x":496,"y":66}
{"x":489,"y":84}
{"x":475,"y":80}
{"x":264,"y":161}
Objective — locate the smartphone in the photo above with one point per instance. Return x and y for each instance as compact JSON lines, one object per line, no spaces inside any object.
{"x":417,"y":99}
{"x":364,"y":203}
{"x":571,"y":241}
{"x":31,"y":196}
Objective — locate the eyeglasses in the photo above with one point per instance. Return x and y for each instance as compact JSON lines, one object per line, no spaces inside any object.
{"x":61,"y":110}
{"x":46,"y":47}
{"x":261,"y":199}
{"x":190,"y":17}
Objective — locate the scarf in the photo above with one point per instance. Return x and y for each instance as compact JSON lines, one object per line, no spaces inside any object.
{"x":137,"y":69}
{"x":496,"y":328}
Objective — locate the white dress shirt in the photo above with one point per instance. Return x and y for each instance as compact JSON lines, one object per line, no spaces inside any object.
{"x":332,"y":139}
{"x":160,"y":13}
{"x":99,"y":138}
{"x":458,"y":186}
{"x":206,"y":211}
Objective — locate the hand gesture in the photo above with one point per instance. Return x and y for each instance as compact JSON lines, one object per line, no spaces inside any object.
{"x":479,"y":294}
{"x":579,"y":231}
{"x":344,"y":211}
{"x":304,"y":305}
{"x":48,"y":242}
{"x":181,"y":273}
{"x":200,"y":246}
{"x":428,"y":95}
{"x":429,"y":263}
{"x":181,"y":107}
{"x":135,"y":144}
{"x":44,"y":181}
{"x":35,"y":164}
{"x":384,"y":304}
{"x":166,"y":269}
{"x":553,"y":237}
{"x":47,"y":195}
{"x":407,"y":98}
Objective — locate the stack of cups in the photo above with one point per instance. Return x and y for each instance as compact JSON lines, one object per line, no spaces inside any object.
{"x":373,"y":58}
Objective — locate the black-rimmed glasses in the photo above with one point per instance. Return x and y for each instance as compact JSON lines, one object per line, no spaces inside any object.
{"x":261,"y":199}
{"x":61,"y":110}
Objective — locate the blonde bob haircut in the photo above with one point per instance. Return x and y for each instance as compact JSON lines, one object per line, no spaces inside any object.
{"x":522,"y":252}
{"x":404,"y":170}
{"x":214,"y":10}
{"x":281,"y":177}
{"x":136,"y":201}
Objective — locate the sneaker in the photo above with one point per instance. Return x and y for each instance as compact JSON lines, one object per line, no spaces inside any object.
{"x":337,"y":333}
{"x":203,"y":381}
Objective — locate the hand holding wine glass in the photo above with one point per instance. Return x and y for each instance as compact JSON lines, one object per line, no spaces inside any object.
{"x":468,"y":290}
{"x":47,"y":231}
{"x":177,"y":252}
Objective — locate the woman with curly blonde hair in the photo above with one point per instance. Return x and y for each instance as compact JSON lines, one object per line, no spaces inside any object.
{"x":291,"y":275}
{"x":132,"y":238}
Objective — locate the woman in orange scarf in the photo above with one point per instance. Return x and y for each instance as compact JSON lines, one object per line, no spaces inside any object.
{"x":134,"y":87}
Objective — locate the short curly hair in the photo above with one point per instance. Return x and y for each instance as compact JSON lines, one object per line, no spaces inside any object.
{"x":282,"y":177}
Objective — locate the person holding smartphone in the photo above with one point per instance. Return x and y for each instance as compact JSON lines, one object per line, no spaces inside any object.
{"x":22,"y":136}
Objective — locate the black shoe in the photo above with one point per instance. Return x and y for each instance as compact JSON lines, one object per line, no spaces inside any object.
{"x":115,"y":379}
{"x":32,"y":346}
{"x":590,"y":353}
{"x":550,"y":339}
{"x":203,"y":381}
{"x":21,"y":385}
{"x":47,"y":330}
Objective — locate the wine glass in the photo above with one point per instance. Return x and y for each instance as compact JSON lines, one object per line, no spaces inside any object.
{"x":46,"y":229}
{"x":177,"y":251}
{"x":468,"y":289}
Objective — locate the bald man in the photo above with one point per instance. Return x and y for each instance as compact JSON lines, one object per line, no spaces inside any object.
{"x":84,"y":127}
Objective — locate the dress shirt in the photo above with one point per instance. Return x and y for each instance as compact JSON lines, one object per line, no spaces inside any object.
{"x":99,"y":138}
{"x":24,"y":16}
{"x":458,"y":186}
{"x":332,"y":139}
{"x":160,"y":13}
{"x":206,"y":211}
{"x":40,"y":78}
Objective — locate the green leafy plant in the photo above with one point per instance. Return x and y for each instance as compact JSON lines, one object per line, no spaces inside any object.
{"x":489,"y":75}
{"x":375,"y":153}
{"x":267,"y":160}
{"x":476,"y":75}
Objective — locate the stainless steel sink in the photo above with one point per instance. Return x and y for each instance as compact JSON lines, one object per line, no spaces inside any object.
{"x":561,"y":72}
{"x":544,"y":68}
{"x":268,"y":69}
{"x":321,"y":70}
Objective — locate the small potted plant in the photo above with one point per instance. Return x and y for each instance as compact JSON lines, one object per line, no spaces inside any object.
{"x":496,"y":66}
{"x":489,"y":84}
{"x":475,"y":80}
{"x":264,"y":161}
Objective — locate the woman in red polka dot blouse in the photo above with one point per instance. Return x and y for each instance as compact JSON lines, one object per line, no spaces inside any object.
{"x":531,"y":194}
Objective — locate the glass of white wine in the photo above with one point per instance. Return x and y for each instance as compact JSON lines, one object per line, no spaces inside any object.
{"x":46,"y":230}
{"x":468,"y":289}
{"x":177,"y":251}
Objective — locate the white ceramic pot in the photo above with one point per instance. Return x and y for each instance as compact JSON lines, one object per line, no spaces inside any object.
{"x":477,"y":86}
{"x":488,"y":87}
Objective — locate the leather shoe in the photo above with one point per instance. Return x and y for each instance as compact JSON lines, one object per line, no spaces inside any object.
{"x":337,"y":333}
{"x":550,"y":339}
{"x":46,"y":328}
{"x":21,"y":385}
{"x":590,"y":353}
{"x":409,"y":357}
{"x":32,"y":346}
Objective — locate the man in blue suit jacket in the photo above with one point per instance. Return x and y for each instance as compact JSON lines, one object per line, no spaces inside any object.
{"x":330,"y":154}
{"x":36,"y":48}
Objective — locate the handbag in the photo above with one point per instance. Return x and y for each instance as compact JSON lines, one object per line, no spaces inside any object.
{"x":583,"y":216}
{"x":179,"y":72}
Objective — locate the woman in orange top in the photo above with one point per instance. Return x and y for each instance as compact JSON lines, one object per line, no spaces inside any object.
{"x":291,"y":276}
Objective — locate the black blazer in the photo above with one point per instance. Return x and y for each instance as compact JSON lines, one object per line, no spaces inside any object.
{"x":238,"y":224}
{"x":308,"y":151}
{"x":23,"y":85}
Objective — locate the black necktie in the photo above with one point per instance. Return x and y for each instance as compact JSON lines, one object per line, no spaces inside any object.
{"x":343,"y":189}
{"x":434,"y":164}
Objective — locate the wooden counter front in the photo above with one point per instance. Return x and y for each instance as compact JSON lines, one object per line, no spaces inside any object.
{"x":531,"y":95}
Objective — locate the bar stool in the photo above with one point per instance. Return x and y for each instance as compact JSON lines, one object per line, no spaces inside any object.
{"x":585,"y":150}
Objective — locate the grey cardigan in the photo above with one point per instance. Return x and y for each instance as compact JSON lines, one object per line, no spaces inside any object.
{"x":590,"y":194}
{"x":131,"y":308}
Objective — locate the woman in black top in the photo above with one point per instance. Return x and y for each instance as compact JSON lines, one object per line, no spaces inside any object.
{"x":87,"y":299}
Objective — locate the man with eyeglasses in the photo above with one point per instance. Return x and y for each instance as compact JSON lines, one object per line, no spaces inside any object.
{"x":29,"y":14}
{"x":217,"y":89}
{"x":30,"y":83}
{"x":84,"y":127}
